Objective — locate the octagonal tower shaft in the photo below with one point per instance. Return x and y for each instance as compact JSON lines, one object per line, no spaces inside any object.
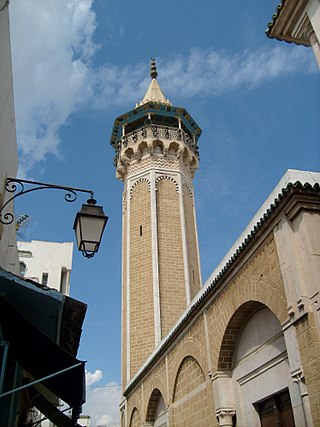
{"x":156,"y":156}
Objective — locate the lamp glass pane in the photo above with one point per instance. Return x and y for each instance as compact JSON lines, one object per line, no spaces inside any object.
{"x":91,"y":228}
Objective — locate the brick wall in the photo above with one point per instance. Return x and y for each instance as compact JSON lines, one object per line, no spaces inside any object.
{"x":124,"y":301}
{"x":190,"y":405}
{"x":171,"y":268}
{"x":181,"y":374}
{"x":142,"y":339}
{"x":194,"y":268}
{"x":309,"y":346}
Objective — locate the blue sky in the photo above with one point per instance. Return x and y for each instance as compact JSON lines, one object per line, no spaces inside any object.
{"x":78,"y":64}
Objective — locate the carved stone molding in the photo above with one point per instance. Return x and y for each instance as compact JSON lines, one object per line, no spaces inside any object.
{"x":170,"y":178}
{"x":124,"y":200}
{"x":189,"y":189}
{"x":135,"y":183}
{"x":225,"y":416}
{"x":160,"y":132}
{"x":302,"y":202}
{"x":297,"y":375}
{"x":157,"y":142}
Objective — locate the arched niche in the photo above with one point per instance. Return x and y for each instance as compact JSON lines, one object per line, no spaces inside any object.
{"x":190,"y":397}
{"x":253,"y":368}
{"x":135,"y":419}
{"x":157,"y":414}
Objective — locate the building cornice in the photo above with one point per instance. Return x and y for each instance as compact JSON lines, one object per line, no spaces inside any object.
{"x":284,"y":24}
{"x":152,"y":108}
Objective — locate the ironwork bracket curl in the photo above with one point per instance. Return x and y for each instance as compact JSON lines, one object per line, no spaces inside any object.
{"x":22,"y":186}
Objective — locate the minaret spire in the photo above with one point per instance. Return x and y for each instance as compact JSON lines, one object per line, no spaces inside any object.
{"x":154,"y":93}
{"x":153,"y":69}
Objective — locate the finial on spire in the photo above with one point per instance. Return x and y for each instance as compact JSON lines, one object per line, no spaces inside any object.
{"x":153,"y":69}
{"x":154,"y":93}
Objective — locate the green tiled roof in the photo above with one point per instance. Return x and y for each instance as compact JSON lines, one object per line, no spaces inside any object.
{"x":274,"y":17}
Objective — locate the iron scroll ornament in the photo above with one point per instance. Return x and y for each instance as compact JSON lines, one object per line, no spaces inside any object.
{"x":18,"y":187}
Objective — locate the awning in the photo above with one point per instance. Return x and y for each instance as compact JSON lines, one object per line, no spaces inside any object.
{"x":40,"y":357}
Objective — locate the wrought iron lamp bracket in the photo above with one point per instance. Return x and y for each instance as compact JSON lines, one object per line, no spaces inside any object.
{"x":22,"y":186}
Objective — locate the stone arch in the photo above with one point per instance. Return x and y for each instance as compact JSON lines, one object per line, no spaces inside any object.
{"x":138,"y":181}
{"x":153,"y":411}
{"x":135,"y":419}
{"x":173,"y":149}
{"x":156,"y":382}
{"x":258,"y":282}
{"x":188,"y":347}
{"x":190,"y":368}
{"x":191,"y":395}
{"x":187,"y":188}
{"x":170,"y":178}
{"x":122,"y":419}
{"x":252,"y":365}
{"x":157,"y":146}
{"x":194,"y":163}
{"x":232,"y":331}
{"x":186,"y":156}
{"x":128,"y":153}
{"x":143,"y":148}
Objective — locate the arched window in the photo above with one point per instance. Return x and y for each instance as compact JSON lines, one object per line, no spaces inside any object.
{"x":23,"y":268}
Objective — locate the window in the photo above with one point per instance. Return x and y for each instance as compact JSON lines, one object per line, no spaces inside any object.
{"x":23,"y":268}
{"x":44,"y":280}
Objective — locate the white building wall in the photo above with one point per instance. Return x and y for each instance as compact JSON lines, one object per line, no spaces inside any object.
{"x":48,"y":263}
{"x":8,"y":144}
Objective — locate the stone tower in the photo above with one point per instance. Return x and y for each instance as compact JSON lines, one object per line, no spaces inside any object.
{"x":156,"y":156}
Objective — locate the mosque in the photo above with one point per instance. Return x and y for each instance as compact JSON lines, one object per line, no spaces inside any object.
{"x":243,"y":349}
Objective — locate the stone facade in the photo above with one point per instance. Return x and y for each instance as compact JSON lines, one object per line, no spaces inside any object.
{"x":215,"y":366}
{"x":243,"y":348}
{"x":8,"y":146}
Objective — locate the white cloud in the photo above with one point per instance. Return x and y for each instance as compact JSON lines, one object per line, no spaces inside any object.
{"x":51,"y":49}
{"x":94,"y":377}
{"x":102,"y":402}
{"x":203,"y":73}
{"x":210,"y":73}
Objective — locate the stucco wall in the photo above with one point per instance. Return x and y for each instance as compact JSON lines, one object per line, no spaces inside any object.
{"x":8,"y":145}
{"x":51,"y":258}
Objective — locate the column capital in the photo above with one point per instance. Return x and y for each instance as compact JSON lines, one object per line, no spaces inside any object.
{"x":225,"y":416}
{"x":297,"y":375}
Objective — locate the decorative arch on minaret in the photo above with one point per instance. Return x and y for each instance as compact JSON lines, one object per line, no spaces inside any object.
{"x":168,"y":177}
{"x":188,"y":188}
{"x":138,"y":181}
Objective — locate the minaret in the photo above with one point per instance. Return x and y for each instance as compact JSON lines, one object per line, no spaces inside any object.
{"x":156,"y":156}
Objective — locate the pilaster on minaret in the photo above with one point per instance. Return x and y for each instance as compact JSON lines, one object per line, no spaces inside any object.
{"x":156,"y":157}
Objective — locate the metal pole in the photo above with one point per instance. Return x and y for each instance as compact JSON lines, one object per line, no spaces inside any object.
{"x":5,"y":344}
{"x":40,"y":380}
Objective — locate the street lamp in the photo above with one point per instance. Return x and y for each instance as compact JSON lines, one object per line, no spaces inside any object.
{"x":89,"y":225}
{"x":90,"y":220}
